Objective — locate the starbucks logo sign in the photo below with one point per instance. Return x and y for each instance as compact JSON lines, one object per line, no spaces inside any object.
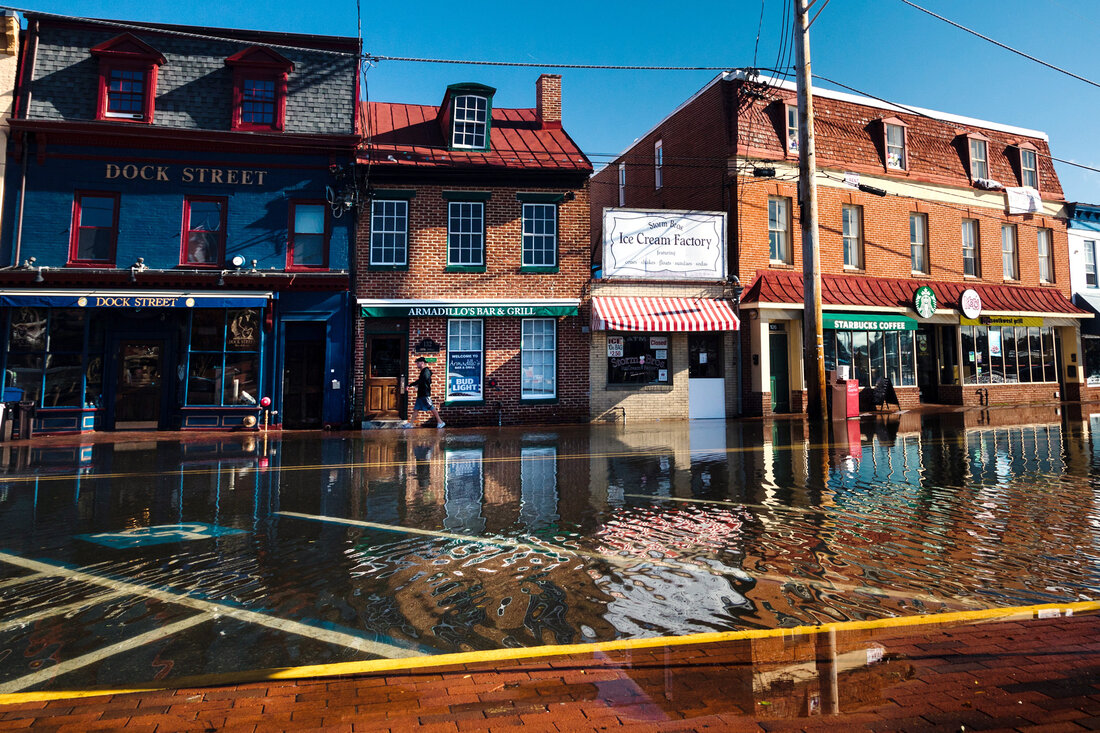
{"x":924,"y":301}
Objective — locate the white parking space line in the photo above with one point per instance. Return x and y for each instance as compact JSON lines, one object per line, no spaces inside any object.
{"x":60,"y":610}
{"x":499,"y":541}
{"x":70,"y":665}
{"x":327,"y":636}
{"x":21,"y":579}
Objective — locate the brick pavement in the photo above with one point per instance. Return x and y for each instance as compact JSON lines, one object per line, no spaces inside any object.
{"x":1023,"y":675}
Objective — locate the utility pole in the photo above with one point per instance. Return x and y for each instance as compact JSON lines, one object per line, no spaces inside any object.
{"x":813,"y":341}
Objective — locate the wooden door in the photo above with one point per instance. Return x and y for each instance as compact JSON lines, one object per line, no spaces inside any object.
{"x":385,"y":376}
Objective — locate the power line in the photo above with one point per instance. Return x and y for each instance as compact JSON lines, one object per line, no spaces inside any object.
{"x":532,"y":65}
{"x":1002,"y":45}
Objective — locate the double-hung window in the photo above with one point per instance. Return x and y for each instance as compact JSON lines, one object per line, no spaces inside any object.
{"x":203,"y":231}
{"x":1090,"y":264}
{"x":658,"y":164}
{"x":979,"y":158}
{"x":779,"y":229}
{"x":308,"y":245}
{"x":389,"y":233}
{"x":540,"y":235}
{"x":128,"y":70}
{"x":895,"y":146}
{"x":95,"y":229}
{"x":622,"y":184}
{"x":465,"y":359}
{"x":259,"y":89}
{"x":1045,"y":239}
{"x":970,"y":248}
{"x":466,"y":234}
{"x":471,"y":122}
{"x":538,"y":359}
{"x":1029,"y":169}
{"x":1008,"y":252}
{"x":792,"y":129}
{"x":918,"y":243}
{"x":853,"y":235}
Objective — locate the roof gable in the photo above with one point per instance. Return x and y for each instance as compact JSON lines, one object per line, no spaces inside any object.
{"x":127,"y":47}
{"x":261,"y":57}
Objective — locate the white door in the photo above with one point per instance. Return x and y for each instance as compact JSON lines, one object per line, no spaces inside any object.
{"x":706,"y":398}
{"x":706,"y":382}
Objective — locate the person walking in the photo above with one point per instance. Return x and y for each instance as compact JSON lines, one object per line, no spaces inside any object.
{"x":423,"y":387}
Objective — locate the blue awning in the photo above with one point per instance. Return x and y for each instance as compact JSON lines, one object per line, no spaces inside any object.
{"x":132,"y":299}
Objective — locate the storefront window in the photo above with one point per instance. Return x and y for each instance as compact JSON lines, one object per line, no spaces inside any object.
{"x":47,"y":358}
{"x":638,"y":359}
{"x":872,"y":355}
{"x":1007,"y":354}
{"x":465,"y":359}
{"x":224,"y":358}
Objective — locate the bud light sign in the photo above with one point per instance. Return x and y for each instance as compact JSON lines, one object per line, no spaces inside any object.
{"x":464,"y":370}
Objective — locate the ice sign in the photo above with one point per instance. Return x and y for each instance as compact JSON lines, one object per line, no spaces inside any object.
{"x":159,"y":535}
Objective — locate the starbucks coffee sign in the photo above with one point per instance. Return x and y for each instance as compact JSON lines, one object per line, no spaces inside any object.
{"x":924,"y":301}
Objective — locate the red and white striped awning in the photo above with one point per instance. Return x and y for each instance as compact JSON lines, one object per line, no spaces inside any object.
{"x":662,"y":314}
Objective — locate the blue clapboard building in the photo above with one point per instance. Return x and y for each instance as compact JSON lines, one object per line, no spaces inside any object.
{"x":177,"y":227}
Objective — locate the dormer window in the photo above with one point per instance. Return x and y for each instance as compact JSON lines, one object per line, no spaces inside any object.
{"x":977,"y":147}
{"x":895,"y":144}
{"x":792,"y":129}
{"x":1029,"y":165}
{"x":127,"y":79}
{"x":467,"y":116}
{"x":259,"y":89}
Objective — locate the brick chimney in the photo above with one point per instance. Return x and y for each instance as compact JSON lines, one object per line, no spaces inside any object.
{"x":548,"y":100}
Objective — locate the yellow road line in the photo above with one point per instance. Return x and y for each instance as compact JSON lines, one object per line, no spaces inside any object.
{"x":989,"y":615}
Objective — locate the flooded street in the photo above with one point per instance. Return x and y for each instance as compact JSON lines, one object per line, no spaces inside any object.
{"x":123,"y":562}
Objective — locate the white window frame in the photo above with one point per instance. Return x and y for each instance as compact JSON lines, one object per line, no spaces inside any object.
{"x":658,"y":164}
{"x":971,"y":230}
{"x":791,"y":144}
{"x":466,"y":336}
{"x":622,"y":184}
{"x":779,"y":229}
{"x":464,"y":240}
{"x":469,"y":121}
{"x":1091,"y":280}
{"x":393,"y":224}
{"x":918,"y":243}
{"x":1010,"y":263}
{"x":540,"y":233}
{"x":1044,"y":243}
{"x":1029,"y":170}
{"x":852,"y":227}
{"x":898,"y":161}
{"x":534,"y":354}
{"x":979,"y":164}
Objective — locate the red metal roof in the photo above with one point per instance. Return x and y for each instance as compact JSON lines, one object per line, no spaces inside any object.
{"x":409,"y":135}
{"x":840,"y":290}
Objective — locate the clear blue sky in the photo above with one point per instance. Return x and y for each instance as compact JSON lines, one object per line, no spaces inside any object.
{"x":882,"y":47}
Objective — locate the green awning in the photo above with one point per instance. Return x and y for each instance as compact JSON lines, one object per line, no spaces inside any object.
{"x":519,"y":309}
{"x":867,"y":322}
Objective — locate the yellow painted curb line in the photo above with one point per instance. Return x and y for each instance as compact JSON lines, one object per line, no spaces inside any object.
{"x":500,"y":655}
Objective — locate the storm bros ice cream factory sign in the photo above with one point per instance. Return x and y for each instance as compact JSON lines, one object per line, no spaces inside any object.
{"x":647,"y":244}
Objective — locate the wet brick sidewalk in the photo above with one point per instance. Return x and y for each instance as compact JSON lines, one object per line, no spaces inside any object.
{"x":1028,"y":675}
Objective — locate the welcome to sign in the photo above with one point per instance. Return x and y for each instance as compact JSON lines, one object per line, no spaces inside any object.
{"x":644,"y":244}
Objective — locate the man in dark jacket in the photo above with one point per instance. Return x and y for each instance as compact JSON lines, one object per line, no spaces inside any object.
{"x":423,"y":387}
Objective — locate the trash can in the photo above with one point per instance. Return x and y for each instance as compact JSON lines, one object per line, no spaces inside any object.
{"x":9,"y":403}
{"x":25,"y":412}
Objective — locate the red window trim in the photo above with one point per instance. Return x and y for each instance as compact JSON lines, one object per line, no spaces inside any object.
{"x":220,"y":261}
{"x":261,"y":64}
{"x":74,"y":233}
{"x":290,"y":265}
{"x":128,"y":53}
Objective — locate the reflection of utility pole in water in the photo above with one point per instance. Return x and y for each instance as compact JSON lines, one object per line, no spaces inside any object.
{"x":826,"y":671}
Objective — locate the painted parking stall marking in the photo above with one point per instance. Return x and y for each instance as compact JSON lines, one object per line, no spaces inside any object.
{"x":159,"y":535}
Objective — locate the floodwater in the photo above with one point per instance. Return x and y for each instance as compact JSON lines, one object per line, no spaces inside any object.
{"x":126,"y":562}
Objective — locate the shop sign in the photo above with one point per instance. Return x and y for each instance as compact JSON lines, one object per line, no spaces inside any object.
{"x":970,"y":303}
{"x":658,"y":342}
{"x":426,"y":346}
{"x":189,"y":174}
{"x":615,"y":346}
{"x":924,"y":301}
{"x":244,"y":330}
{"x":464,"y":375}
{"x":466,"y":311}
{"x":868,"y":322}
{"x":1002,"y":321}
{"x":664,"y":245}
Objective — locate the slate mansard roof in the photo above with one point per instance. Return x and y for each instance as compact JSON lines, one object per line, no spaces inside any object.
{"x":410,"y":136}
{"x":194,"y":85}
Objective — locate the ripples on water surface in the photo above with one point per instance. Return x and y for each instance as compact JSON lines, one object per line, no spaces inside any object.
{"x":525,"y":538}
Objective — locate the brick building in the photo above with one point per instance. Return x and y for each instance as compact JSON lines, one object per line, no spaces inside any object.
{"x":170,"y":254}
{"x":907,"y":200}
{"x":474,"y":253}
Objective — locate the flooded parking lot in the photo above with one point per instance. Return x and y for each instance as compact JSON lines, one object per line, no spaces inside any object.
{"x":123,"y":562}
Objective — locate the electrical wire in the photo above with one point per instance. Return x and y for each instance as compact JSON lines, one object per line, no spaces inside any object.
{"x":1005,"y":46}
{"x":532,"y":65}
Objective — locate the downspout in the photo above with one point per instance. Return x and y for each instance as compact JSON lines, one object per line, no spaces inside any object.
{"x":24,"y":110}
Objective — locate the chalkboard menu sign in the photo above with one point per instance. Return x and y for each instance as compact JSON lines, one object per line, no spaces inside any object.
{"x":638,"y":359}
